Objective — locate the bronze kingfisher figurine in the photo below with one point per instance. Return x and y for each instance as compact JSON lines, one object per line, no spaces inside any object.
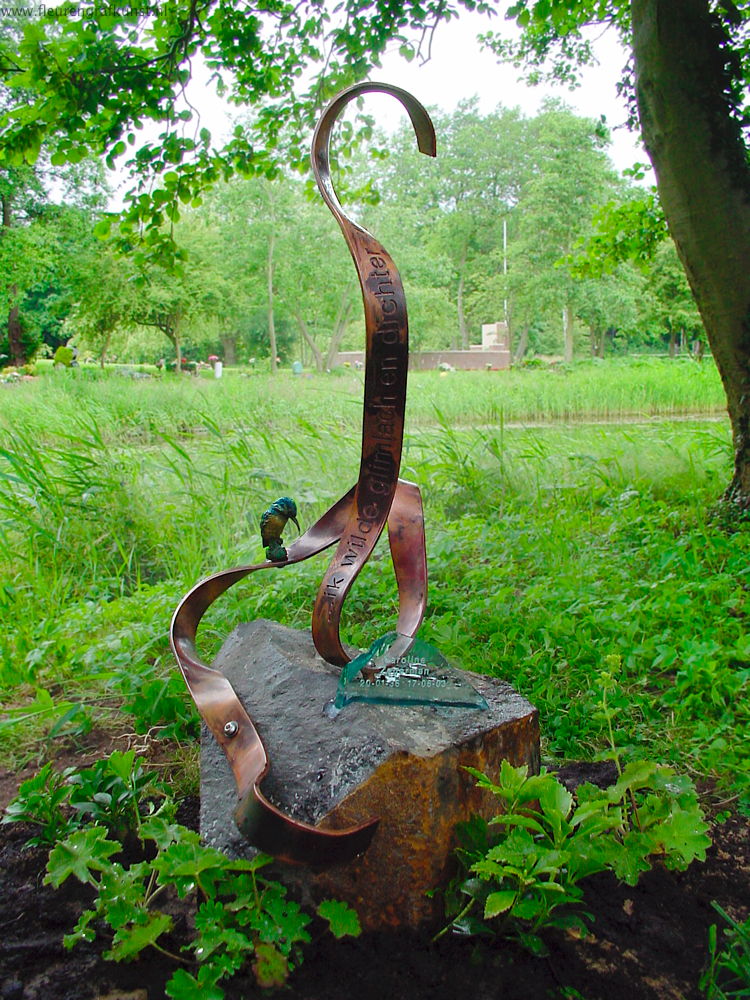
{"x":272,"y":523}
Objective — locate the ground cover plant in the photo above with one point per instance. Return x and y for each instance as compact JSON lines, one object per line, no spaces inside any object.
{"x":549,"y":841}
{"x":88,"y":816}
{"x":577,"y":558}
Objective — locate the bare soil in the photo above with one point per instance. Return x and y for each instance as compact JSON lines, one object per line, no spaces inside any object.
{"x":648,"y":942}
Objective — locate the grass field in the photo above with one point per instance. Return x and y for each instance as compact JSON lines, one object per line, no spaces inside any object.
{"x":568,"y":526}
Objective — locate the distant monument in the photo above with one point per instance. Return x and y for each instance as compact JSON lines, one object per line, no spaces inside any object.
{"x":496,"y":336}
{"x":493,"y":352}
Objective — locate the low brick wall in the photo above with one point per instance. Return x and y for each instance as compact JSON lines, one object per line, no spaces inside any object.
{"x":430,"y":360}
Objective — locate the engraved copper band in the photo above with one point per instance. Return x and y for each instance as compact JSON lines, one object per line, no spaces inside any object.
{"x":355,"y":522}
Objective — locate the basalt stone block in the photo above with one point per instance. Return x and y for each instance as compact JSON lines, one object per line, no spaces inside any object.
{"x":404,"y":764}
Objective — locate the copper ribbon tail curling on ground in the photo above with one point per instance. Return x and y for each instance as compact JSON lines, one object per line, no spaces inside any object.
{"x":354,"y":524}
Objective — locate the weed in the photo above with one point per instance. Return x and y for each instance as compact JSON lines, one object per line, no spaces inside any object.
{"x":163,"y":703}
{"x":40,"y":801}
{"x":241,"y":917}
{"x":111,"y":792}
{"x":529,"y":874}
{"x":727,"y":976}
{"x":549,"y":547}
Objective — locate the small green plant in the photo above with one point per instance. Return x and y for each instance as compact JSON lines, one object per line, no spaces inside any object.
{"x":64,"y":356}
{"x":112,"y":792}
{"x":41,"y":801}
{"x":162,"y":702}
{"x":727,"y":976}
{"x":527,"y":876}
{"x":241,"y":917}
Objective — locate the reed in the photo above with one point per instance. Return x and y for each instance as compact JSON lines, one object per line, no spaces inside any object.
{"x":552,"y":545}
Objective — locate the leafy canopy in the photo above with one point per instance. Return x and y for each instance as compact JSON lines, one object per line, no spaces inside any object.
{"x":87,"y":82}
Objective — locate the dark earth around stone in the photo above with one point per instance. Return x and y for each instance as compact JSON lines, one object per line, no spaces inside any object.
{"x":649,"y":941}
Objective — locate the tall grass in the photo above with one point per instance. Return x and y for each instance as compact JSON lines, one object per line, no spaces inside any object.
{"x":614,"y":390}
{"x":130,"y":411}
{"x":551,"y":549}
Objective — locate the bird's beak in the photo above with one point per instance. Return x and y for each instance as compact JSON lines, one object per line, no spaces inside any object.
{"x":297,"y":523}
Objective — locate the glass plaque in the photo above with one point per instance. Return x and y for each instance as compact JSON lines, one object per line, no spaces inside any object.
{"x":400,"y":670}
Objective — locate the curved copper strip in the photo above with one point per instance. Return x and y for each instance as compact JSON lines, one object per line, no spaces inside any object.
{"x":355,"y":522}
{"x":387,"y":353}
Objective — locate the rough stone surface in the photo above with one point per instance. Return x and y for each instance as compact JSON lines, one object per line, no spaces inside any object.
{"x":404,"y":764}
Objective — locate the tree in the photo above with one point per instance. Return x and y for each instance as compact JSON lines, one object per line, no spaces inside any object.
{"x":668,"y":303}
{"x":85,"y":82}
{"x":689,"y":74}
{"x":106,"y":298}
{"x":609,"y":305}
{"x":24,"y":254}
{"x":274,"y":240}
{"x":454,"y":208}
{"x":88,"y":79}
{"x":571,"y":176}
{"x":42,"y":246}
{"x":481,"y":170}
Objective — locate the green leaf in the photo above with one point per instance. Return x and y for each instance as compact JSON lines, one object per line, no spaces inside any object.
{"x":186,"y":864}
{"x":343,"y":921}
{"x":685,"y":838}
{"x":130,"y":941}
{"x":517,"y":819}
{"x":499,"y":902}
{"x":555,"y":800}
{"x":216,"y":934}
{"x":123,"y":764}
{"x":637,"y":774}
{"x":81,"y":854}
{"x":82,"y":931}
{"x":122,"y":893}
{"x":528,"y":909}
{"x":161,"y":831}
{"x":270,"y":967}
{"x":183,"y":986}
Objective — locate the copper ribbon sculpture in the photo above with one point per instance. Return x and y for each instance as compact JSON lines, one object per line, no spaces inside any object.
{"x":355,"y":522}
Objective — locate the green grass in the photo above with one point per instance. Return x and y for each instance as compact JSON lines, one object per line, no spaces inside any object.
{"x":590,"y":390}
{"x":555,"y":552}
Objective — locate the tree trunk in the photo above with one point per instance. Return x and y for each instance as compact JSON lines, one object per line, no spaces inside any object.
{"x":463,"y":329}
{"x":271,"y":317}
{"x":597,"y":342}
{"x":672,"y":343}
{"x":229,"y":348}
{"x":307,"y":338}
{"x":106,"y":336}
{"x":172,"y":331}
{"x":523,"y":344}
{"x":568,"y":334}
{"x":339,"y":327}
{"x":696,"y":147}
{"x":17,"y":353}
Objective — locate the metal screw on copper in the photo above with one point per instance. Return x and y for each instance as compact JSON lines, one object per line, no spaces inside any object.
{"x":230,"y":729}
